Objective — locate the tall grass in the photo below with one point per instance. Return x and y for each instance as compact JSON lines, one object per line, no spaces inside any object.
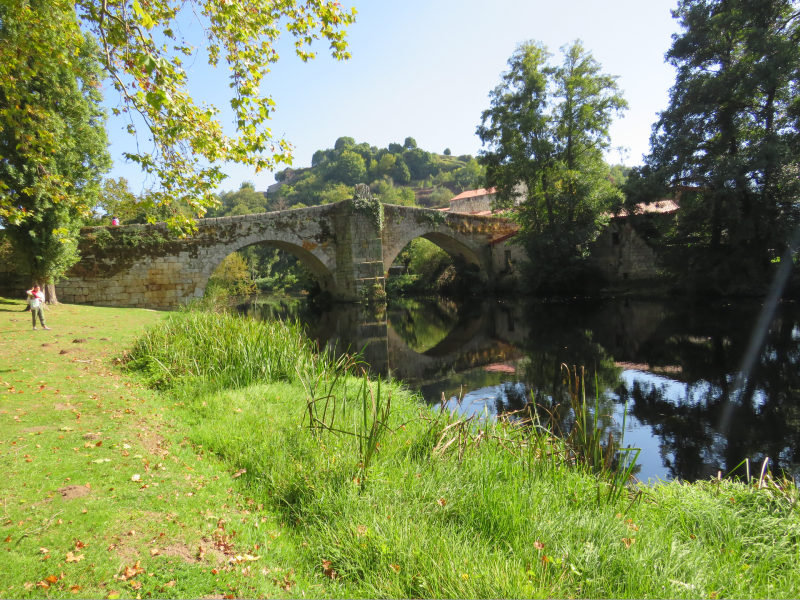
{"x":221,"y":350}
{"x":607,"y":458}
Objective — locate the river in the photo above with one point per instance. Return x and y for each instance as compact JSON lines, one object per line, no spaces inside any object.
{"x":676,"y":366}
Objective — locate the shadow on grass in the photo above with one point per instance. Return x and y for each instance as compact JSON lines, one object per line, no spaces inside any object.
{"x":7,"y":305}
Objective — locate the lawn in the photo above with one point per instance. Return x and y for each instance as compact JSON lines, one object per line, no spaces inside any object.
{"x":103,"y":494}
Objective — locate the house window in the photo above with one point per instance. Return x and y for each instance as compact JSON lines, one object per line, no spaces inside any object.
{"x":615,"y":238}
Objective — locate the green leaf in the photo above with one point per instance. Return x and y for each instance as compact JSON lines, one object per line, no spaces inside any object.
{"x":147,"y":20}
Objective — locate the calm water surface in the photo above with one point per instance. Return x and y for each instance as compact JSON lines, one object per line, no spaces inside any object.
{"x":676,"y":366}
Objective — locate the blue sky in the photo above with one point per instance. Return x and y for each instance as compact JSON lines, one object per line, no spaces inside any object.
{"x":425,"y":68}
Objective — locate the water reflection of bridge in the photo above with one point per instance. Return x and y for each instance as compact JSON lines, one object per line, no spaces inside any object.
{"x":473,"y":340}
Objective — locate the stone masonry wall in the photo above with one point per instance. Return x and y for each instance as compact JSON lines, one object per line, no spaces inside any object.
{"x":621,"y":253}
{"x":143,"y":266}
{"x":470,"y":205}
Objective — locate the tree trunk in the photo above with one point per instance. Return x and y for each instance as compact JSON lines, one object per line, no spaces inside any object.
{"x":50,"y":294}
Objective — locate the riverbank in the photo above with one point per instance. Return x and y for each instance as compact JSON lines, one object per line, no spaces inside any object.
{"x":486,"y":516}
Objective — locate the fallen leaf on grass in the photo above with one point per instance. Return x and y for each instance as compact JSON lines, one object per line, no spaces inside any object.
{"x":538,"y":545}
{"x":130,"y":572}
{"x":72,"y":558}
{"x":239,"y":473}
{"x":154,"y":552}
{"x":7,"y":540}
{"x":327,"y":570}
{"x":628,"y":542}
{"x":79,"y":545}
{"x":137,"y":585}
{"x":112,"y":595}
{"x":441,"y":502}
{"x":214,"y":571}
{"x":44,"y":550}
{"x":240,"y":558}
{"x":136,"y":477}
{"x":395,"y":568}
{"x":74,"y":589}
{"x":169,"y":584}
{"x":285,"y":584}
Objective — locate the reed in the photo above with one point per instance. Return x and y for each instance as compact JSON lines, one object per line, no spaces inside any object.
{"x":605,"y":457}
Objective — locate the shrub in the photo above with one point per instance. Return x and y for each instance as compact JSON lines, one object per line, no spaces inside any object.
{"x":233,"y":275}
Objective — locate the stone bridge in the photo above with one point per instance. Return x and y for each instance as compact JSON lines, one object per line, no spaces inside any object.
{"x":142,"y":266}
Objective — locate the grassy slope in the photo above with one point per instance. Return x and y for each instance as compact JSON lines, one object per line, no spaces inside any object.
{"x":50,"y":405}
{"x":417,"y":527}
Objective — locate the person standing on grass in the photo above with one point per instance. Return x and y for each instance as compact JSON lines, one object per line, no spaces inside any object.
{"x":36,"y":302}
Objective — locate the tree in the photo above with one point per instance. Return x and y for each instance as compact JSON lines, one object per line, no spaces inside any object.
{"x":385,"y":165}
{"x":350,"y":169}
{"x":142,"y":48}
{"x":52,"y":138}
{"x":316,"y":160}
{"x":447,"y":152}
{"x":728,"y":143}
{"x":245,"y":201}
{"x":469,"y":176}
{"x":116,"y":199}
{"x":400,"y":172}
{"x":545,"y":132}
{"x":396,"y":148}
{"x":410,"y":143}
{"x":344,"y":143}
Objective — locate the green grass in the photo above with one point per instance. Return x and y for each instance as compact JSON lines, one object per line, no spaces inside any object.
{"x":54,"y":409}
{"x":229,"y":460}
{"x":452,"y":509}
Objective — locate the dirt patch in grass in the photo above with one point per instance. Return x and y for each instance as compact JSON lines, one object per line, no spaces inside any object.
{"x":36,"y":429}
{"x":155,"y":444}
{"x":91,"y":436}
{"x":63,"y":405}
{"x":183,"y":552}
{"x":128,"y":554}
{"x":69,"y":350}
{"x":71,"y":492}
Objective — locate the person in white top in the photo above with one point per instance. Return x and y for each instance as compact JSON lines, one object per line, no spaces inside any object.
{"x":36,"y":302}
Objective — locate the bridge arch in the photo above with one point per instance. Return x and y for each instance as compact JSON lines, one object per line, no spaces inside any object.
{"x":452,"y":242}
{"x":308,"y":253}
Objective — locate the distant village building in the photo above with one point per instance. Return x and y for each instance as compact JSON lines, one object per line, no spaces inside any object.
{"x":479,"y":202}
{"x":476,"y":202}
{"x":619,"y":252}
{"x":274,"y":187}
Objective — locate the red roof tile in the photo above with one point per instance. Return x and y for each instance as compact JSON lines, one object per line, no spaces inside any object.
{"x":662,"y":207}
{"x":474,"y":193}
{"x":502,"y":238}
